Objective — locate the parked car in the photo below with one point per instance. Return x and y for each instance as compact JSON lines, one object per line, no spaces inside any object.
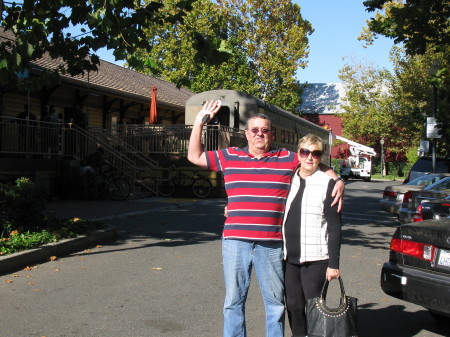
{"x":436,"y":191}
{"x":435,"y":209}
{"x":418,"y":270}
{"x":424,"y":165}
{"x":393,"y":195}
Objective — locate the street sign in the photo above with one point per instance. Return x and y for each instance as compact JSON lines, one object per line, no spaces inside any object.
{"x":432,"y":128}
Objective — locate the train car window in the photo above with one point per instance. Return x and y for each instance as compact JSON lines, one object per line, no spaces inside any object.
{"x":274,"y":134}
{"x":222,"y":117}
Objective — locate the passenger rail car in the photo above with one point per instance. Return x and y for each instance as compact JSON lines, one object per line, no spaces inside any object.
{"x":237,"y":107}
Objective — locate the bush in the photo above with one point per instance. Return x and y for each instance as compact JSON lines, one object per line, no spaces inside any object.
{"x":22,"y":205}
{"x":23,"y":223}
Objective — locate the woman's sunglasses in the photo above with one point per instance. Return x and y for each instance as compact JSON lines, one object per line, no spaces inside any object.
{"x":316,"y":154}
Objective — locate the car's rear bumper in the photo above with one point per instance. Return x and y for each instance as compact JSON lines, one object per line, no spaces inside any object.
{"x":430,"y":290}
{"x":405,"y":215}
{"x":390,"y":206}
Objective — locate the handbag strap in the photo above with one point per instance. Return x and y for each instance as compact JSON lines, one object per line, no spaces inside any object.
{"x":323,"y":294}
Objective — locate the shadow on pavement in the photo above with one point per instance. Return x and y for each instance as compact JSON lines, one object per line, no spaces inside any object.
{"x":394,"y":321}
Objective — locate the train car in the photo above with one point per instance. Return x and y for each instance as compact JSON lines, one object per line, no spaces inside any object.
{"x":237,"y":107}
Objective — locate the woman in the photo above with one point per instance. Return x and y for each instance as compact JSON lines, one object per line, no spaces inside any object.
{"x":311,"y":231}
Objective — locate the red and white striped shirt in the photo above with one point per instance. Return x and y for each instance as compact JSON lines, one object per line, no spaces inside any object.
{"x":257,"y":190}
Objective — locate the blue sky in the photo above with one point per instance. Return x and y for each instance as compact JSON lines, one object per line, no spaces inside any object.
{"x":337,"y":25}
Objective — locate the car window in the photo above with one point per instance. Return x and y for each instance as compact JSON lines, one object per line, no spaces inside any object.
{"x":443,"y":184}
{"x":425,"y":180}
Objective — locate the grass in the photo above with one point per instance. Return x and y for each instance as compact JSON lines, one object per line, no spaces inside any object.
{"x":388,"y":177}
{"x":18,"y":240}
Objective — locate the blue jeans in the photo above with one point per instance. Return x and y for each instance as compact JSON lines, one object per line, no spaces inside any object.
{"x":239,"y":256}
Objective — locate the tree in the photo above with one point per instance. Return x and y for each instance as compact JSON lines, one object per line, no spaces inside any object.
{"x":423,"y":27}
{"x":42,"y":26}
{"x":266,"y":42}
{"x":369,"y":108}
{"x":418,"y":24}
{"x":274,"y":35}
{"x":173,"y":55}
{"x":393,"y":106}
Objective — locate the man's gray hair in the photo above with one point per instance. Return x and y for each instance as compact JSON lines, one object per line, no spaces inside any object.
{"x":258,"y":115}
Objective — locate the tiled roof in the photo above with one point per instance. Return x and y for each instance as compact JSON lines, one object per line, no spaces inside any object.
{"x":122,"y":81}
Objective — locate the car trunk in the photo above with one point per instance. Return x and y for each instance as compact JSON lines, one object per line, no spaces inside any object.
{"x":434,"y":239}
{"x":428,"y":196}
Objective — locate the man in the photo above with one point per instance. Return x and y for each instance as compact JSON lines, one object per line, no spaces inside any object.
{"x":257,"y":180}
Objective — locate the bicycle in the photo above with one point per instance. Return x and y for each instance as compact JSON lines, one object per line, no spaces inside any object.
{"x":200,"y":186}
{"x":108,"y":181}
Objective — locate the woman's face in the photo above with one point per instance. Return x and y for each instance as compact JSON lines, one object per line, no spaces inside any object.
{"x":309,"y":156}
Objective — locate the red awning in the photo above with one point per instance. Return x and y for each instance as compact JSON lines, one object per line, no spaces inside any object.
{"x":153,"y":110}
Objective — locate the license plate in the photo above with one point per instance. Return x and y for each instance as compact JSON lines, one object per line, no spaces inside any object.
{"x":444,"y":258}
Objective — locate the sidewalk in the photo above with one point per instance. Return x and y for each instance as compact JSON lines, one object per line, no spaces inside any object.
{"x":88,"y":210}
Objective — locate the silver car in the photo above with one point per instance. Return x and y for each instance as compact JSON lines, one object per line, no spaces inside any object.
{"x":393,"y":195}
{"x":436,"y":191}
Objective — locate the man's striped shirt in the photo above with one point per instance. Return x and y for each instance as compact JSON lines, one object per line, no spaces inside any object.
{"x":257,"y":190}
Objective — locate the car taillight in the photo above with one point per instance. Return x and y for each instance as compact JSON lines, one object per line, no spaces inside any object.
{"x":416,"y":249}
{"x":407,"y":197}
{"x":389,"y":194}
{"x":418,"y":216}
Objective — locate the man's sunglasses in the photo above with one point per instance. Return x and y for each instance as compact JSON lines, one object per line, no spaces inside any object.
{"x":263,"y":130}
{"x":316,"y":154}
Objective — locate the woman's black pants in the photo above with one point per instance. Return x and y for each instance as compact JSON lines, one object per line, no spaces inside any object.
{"x":302,"y":282}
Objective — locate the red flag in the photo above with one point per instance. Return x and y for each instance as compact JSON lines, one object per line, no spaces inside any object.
{"x":153,"y":111}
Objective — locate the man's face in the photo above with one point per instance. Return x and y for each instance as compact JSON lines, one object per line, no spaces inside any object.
{"x":258,"y":135}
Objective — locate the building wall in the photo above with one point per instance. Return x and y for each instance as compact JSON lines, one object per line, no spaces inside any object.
{"x":333,"y":122}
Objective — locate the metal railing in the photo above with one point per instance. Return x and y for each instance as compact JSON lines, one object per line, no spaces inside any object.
{"x":128,"y":147}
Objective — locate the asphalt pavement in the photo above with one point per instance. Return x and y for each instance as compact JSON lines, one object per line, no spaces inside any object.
{"x":99,"y":210}
{"x":163,"y":276}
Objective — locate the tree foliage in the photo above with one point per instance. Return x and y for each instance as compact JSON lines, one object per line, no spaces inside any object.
{"x":423,"y":27}
{"x":264,"y":44}
{"x":43,"y":26}
{"x":390,"y":106}
{"x":418,"y":24}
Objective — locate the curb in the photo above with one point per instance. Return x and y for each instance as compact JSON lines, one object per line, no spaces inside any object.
{"x":17,"y":261}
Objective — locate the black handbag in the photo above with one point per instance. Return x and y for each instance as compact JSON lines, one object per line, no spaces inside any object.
{"x":332,"y":322}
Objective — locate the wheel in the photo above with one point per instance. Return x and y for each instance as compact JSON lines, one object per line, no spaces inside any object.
{"x":201,"y":187}
{"x":167,"y":188}
{"x":118,"y":189}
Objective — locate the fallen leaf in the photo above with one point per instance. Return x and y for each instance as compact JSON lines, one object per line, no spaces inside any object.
{"x":28,"y":276}
{"x":52,"y":258}
{"x":56,"y":269}
{"x":8,"y":281}
{"x":31,"y":283}
{"x":99,"y":246}
{"x":15,"y":275}
{"x":14,"y":232}
{"x":37,"y":289}
{"x":156,"y":268}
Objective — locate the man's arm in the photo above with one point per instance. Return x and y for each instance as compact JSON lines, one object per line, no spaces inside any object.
{"x":196,"y":154}
{"x":338,"y":191}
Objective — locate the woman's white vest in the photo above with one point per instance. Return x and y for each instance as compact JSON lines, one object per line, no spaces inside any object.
{"x":313,"y":234}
